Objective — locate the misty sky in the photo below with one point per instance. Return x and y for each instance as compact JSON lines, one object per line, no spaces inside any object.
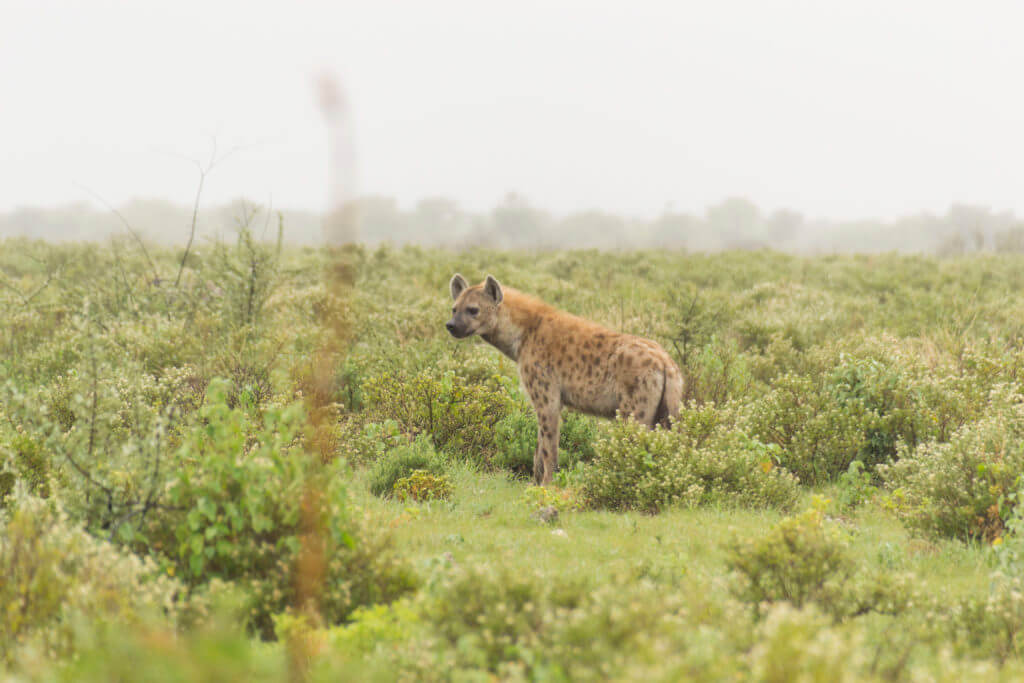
{"x":838,"y":109}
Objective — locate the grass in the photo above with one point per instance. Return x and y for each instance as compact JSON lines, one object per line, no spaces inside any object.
{"x":490,"y":520}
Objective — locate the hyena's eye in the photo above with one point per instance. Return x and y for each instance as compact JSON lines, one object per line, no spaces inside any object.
{"x":453,"y":310}
{"x":472,"y":310}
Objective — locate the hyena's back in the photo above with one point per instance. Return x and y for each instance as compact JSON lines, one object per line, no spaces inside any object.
{"x":600,"y":372}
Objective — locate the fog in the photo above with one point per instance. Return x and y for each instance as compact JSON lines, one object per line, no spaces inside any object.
{"x":815,"y":125}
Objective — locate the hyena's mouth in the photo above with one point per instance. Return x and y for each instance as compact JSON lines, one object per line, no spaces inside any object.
{"x":456,"y":332}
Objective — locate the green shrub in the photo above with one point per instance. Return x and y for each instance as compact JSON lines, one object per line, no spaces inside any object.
{"x":56,"y":576}
{"x":637,"y":468}
{"x":801,"y":559}
{"x":401,"y":462}
{"x":156,"y":341}
{"x":246,"y":275}
{"x":7,"y":482}
{"x":962,"y":488}
{"x":59,"y":403}
{"x":515,"y":439}
{"x":496,"y":616}
{"x":698,"y":461}
{"x":479,"y":623}
{"x":234,"y":512}
{"x":858,"y":406}
{"x":421,"y":486}
{"x":546,"y":502}
{"x":1010,"y":546}
{"x":369,"y":626}
{"x":716,"y":373}
{"x":736,"y":470}
{"x":908,"y":402}
{"x":802,"y":644}
{"x":882,"y":391}
{"x":806,"y":559}
{"x":525,"y":626}
{"x":457,"y":416}
{"x":576,"y":437}
{"x":363,"y":443}
{"x":817,"y":438}
{"x":218,"y":649}
{"x":854,"y":486}
{"x":23,"y":460}
{"x":104,"y":436}
{"x":988,"y":625}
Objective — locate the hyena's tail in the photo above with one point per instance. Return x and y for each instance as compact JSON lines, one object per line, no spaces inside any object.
{"x":671,"y":396}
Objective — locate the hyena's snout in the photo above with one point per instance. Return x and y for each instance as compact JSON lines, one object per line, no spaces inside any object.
{"x":454,"y":329}
{"x":459,"y":326}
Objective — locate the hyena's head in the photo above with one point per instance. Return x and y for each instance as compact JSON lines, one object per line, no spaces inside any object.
{"x":476,"y":308}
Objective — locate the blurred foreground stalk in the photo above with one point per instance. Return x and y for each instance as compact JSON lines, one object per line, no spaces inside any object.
{"x":310,"y":569}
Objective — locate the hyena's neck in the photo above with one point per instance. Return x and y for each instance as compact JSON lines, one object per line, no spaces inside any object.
{"x":514,"y":323}
{"x":508,"y":340}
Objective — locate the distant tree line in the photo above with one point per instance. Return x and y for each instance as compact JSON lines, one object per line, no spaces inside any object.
{"x":734,"y":223}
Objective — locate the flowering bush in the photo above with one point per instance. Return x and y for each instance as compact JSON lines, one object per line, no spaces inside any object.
{"x":400,"y":462}
{"x":807,"y":559}
{"x":963,"y":488}
{"x":458,"y":417}
{"x":421,"y":486}
{"x":55,"y":575}
{"x":801,"y":559}
{"x":698,"y":461}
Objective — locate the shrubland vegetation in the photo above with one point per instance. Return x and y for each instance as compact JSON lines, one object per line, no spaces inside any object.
{"x":838,"y":501}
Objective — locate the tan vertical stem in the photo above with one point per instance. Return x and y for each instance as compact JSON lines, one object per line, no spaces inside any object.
{"x":311,"y":567}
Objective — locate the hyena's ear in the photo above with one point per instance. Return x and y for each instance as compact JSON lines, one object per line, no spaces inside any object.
{"x":458,"y":285}
{"x":492,"y":288}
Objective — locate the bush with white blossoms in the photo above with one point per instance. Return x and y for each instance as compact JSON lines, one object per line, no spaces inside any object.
{"x":965,"y":488}
{"x":57,"y":576}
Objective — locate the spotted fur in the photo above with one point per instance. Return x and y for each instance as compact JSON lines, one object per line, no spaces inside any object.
{"x":567,"y":361}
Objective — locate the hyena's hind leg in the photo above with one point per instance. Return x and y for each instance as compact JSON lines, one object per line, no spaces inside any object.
{"x":671,"y":397}
{"x":642,"y":395}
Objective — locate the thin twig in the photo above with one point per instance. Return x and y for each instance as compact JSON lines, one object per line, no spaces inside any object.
{"x":266,"y":219}
{"x":203,"y":171}
{"x":121,"y":520}
{"x":26,"y":299}
{"x":128,"y":227}
{"x":192,"y":232}
{"x":88,"y":477}
{"x":120,"y":268}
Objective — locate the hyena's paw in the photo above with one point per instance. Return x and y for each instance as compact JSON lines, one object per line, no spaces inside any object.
{"x":538,"y":470}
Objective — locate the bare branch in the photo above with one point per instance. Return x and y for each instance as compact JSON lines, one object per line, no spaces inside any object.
{"x":120,"y":269}
{"x":128,"y":227}
{"x":26,"y":299}
{"x":192,"y":231}
{"x":203,"y":171}
{"x":266,"y":219}
{"x":49,"y":278}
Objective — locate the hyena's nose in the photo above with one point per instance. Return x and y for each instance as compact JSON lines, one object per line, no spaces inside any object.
{"x":450,"y":326}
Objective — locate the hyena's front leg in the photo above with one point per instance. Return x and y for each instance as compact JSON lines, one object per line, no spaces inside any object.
{"x":545,"y":460}
{"x":546,"y":399}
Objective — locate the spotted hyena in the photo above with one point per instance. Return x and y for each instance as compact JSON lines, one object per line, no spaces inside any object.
{"x":566,"y":361}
